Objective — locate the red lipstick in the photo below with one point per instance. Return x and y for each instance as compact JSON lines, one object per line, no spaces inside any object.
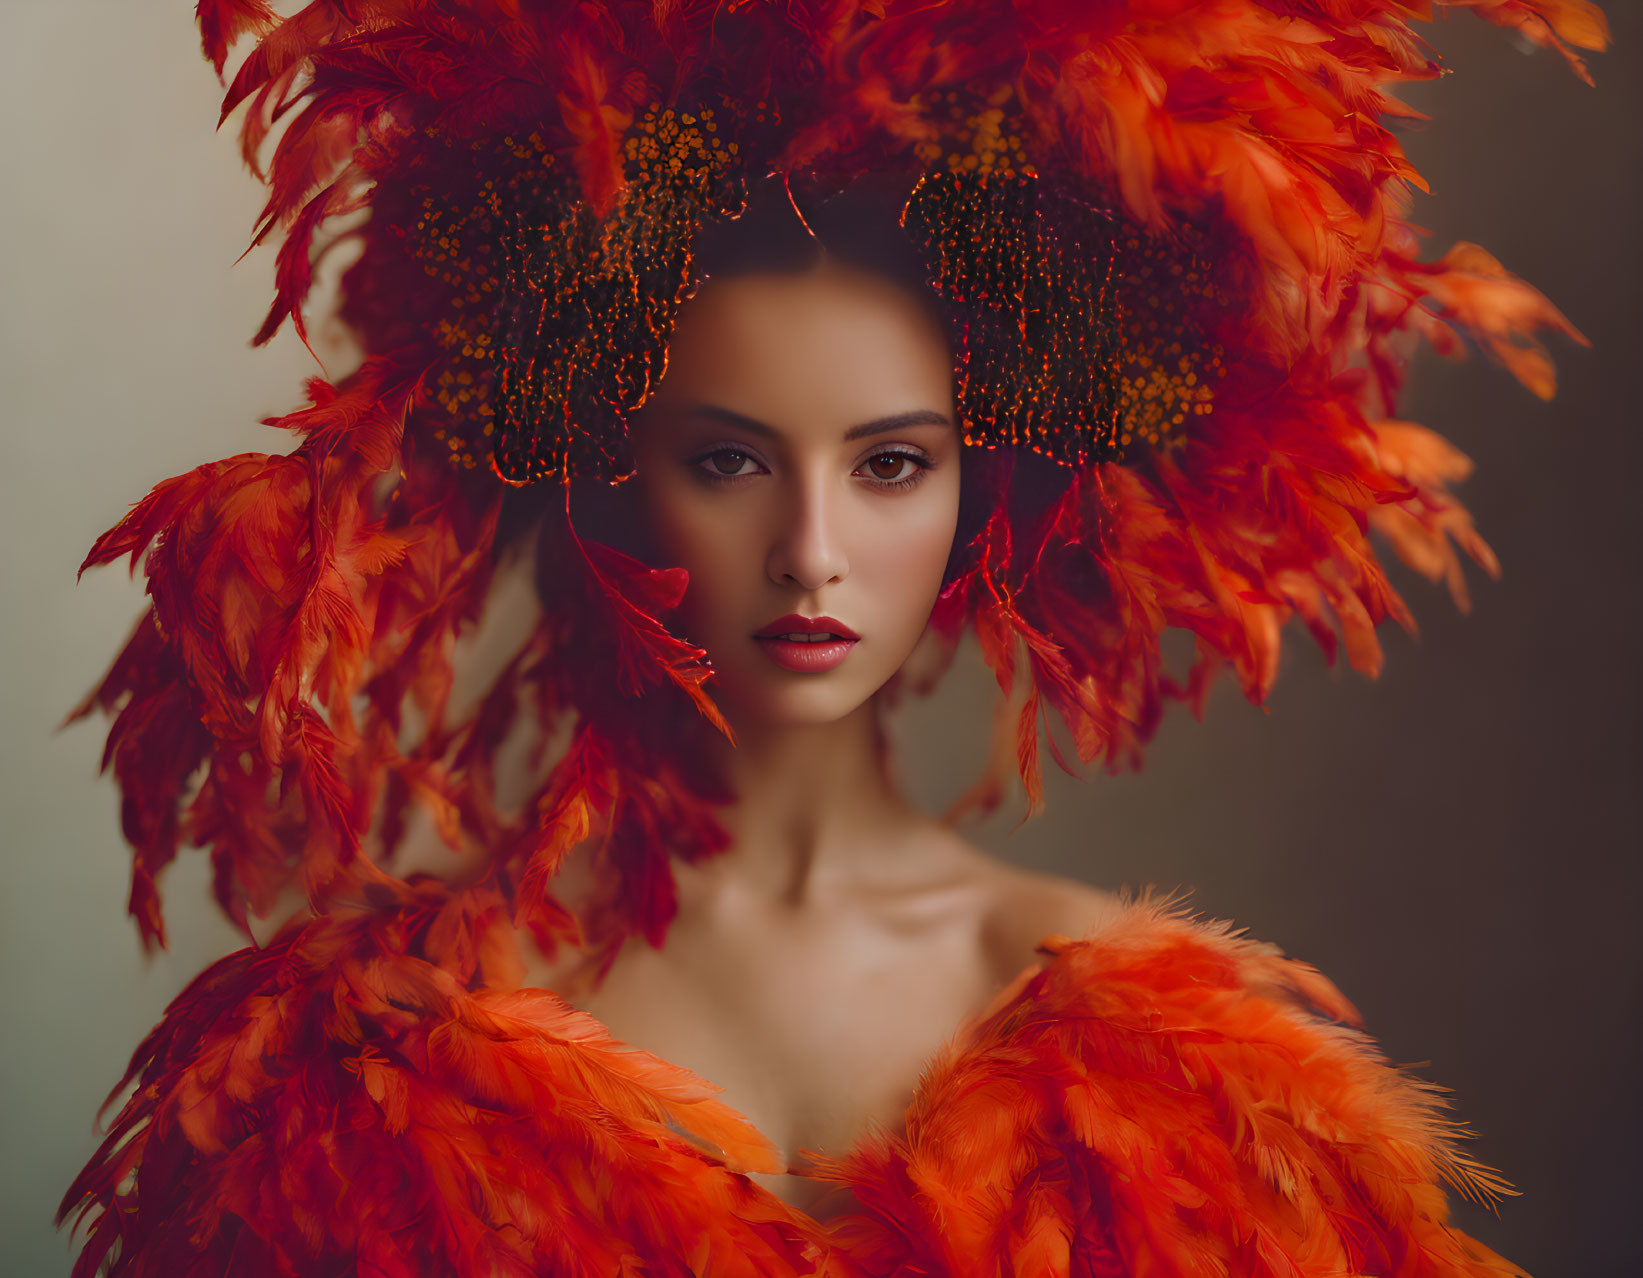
{"x":807,"y":645}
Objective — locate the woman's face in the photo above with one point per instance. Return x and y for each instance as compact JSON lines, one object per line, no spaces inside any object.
{"x":800,"y":460}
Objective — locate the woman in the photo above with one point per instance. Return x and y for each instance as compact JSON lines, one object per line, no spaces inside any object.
{"x":827,"y":954}
{"x":1153,"y":380}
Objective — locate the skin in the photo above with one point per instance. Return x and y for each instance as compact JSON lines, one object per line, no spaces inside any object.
{"x":817,"y":965}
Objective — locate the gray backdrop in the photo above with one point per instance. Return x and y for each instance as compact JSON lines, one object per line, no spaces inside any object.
{"x":1455,"y":843}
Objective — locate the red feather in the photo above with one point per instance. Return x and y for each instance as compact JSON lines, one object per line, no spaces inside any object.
{"x":224,"y":21}
{"x":348,"y":1096}
{"x":1165,"y":1097}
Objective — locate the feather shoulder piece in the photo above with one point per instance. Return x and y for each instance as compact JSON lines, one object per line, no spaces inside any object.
{"x":1167,"y":1097}
{"x":374,"y":1093}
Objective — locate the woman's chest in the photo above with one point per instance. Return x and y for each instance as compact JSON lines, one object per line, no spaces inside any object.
{"x":817,"y":1039}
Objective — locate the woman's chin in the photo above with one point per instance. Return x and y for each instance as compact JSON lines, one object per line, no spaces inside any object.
{"x":791,"y":700}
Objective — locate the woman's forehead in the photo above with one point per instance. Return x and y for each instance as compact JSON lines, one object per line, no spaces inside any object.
{"x":829,"y":343}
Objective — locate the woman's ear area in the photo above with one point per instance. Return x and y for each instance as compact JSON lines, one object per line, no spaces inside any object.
{"x":615,"y":515}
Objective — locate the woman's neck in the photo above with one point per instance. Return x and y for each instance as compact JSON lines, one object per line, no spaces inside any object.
{"x":812,"y":808}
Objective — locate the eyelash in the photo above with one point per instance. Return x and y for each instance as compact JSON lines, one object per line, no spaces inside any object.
{"x":921,"y":464}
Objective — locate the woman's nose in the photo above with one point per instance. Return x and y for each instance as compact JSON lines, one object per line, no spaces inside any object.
{"x":807,"y":545}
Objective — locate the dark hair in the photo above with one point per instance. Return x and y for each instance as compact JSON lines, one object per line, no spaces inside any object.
{"x":788,"y":231}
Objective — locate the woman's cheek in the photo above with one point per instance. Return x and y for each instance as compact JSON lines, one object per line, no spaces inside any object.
{"x":714,"y":550}
{"x":906,"y":560}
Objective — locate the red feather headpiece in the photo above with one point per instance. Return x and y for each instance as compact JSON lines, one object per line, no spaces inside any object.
{"x":1213,"y":181}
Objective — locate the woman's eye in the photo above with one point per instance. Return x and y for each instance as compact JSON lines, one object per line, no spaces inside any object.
{"x":726,"y":463}
{"x":892,"y":468}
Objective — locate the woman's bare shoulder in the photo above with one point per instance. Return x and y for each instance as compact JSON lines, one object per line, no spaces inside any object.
{"x":1021,"y":907}
{"x":1031,"y":905}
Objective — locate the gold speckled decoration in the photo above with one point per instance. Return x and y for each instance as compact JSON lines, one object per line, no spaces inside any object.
{"x":1077,"y":335}
{"x":1170,"y":366}
{"x":1027,"y":267}
{"x":561,"y":319}
{"x":587,"y":305}
{"x":1029,"y":273}
{"x":458,"y":237}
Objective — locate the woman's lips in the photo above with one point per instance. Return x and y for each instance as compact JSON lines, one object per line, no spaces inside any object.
{"x":806,"y":644}
{"x":805,"y":657}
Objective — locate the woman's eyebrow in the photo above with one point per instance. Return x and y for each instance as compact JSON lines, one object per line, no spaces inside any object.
{"x":898,"y":421}
{"x":878,"y":426}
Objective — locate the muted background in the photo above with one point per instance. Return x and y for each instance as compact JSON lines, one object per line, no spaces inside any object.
{"x":1456,"y":843}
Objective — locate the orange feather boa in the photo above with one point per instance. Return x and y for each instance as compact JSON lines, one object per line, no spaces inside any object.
{"x":373,"y":1093}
